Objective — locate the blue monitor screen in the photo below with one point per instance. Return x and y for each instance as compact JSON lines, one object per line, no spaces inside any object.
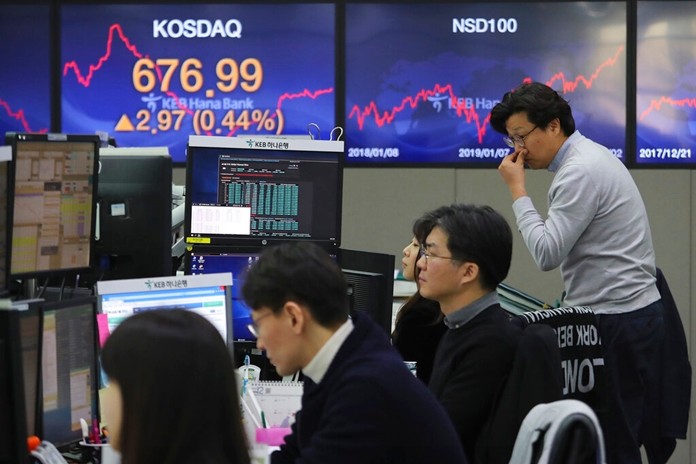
{"x":24,"y":75}
{"x":421,"y":79}
{"x":151,"y":75}
{"x":208,"y":296}
{"x":210,"y":262}
{"x":666,"y":83}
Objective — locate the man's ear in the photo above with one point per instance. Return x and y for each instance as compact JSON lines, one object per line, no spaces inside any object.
{"x":297,"y":316}
{"x":469,"y":272}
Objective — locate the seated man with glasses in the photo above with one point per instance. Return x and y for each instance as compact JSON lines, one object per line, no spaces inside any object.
{"x":360,"y":402}
{"x":466,"y":253}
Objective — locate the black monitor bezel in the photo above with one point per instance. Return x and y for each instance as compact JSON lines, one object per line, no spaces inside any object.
{"x":13,"y":139}
{"x":117,"y":186}
{"x":261,"y":146}
{"x":12,"y":388}
{"x":59,"y":305}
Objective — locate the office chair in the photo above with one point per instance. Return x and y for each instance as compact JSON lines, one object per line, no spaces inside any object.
{"x":560,"y":432}
{"x":535,"y":378}
{"x":582,"y":356}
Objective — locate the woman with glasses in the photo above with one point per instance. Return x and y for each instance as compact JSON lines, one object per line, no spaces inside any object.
{"x":419,"y":326}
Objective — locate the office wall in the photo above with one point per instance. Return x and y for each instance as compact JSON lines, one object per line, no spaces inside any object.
{"x":380,"y":205}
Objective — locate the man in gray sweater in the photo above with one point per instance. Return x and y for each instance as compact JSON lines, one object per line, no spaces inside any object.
{"x":597,"y":231}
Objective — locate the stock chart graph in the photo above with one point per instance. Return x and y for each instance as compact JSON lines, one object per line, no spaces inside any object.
{"x":155,"y":74}
{"x":666,"y":84}
{"x":420,"y":85}
{"x":24,"y":76}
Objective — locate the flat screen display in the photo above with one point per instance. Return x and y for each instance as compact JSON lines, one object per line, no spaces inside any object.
{"x":53,"y":203}
{"x":201,"y":262}
{"x":13,"y":424}
{"x":69,"y":373}
{"x":666,"y":84}
{"x":208,"y":295}
{"x":135,"y":220}
{"x":25,"y":103}
{"x":154,"y":74}
{"x":243,"y":191}
{"x":421,"y":79}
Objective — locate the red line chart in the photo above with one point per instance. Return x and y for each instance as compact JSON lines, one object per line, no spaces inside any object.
{"x":461,"y":108}
{"x":19,"y":116}
{"x":656,"y":105}
{"x":116,"y":30}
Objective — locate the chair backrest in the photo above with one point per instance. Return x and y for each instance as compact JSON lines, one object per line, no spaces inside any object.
{"x":535,"y":378}
{"x":560,"y":432}
{"x":582,"y":358}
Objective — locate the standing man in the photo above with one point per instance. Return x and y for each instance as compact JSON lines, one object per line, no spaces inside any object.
{"x":597,"y":231}
{"x":360,"y":403}
{"x":466,"y":252}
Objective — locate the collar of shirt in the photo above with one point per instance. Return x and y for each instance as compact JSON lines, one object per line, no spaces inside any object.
{"x":317,"y":367}
{"x":563,"y":151}
{"x":470,"y":311}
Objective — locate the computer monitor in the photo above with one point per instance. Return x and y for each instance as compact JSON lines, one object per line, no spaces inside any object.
{"x":133,"y":236}
{"x":13,"y":426}
{"x":208,"y":295}
{"x":69,"y":372}
{"x":202,"y":261}
{"x":251,"y":191}
{"x":370,"y":279}
{"x":52,"y":183}
{"x":30,"y":344}
{"x":5,"y":158}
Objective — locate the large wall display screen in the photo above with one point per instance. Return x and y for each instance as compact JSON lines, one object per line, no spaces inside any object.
{"x":666,"y":83}
{"x":421,"y":79}
{"x":24,"y":74}
{"x":151,"y":75}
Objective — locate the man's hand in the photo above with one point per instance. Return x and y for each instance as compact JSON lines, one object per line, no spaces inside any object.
{"x":512,"y":171}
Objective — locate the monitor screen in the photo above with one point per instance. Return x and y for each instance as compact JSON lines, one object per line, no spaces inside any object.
{"x":421,"y":79}
{"x":243,"y":191}
{"x":153,"y":74}
{"x":666,"y":94}
{"x":30,"y":333}
{"x":133,"y":237}
{"x":13,"y":426}
{"x":53,"y":208}
{"x":5,"y":196}
{"x":207,"y":295}
{"x":370,"y":280}
{"x":199,"y":262}
{"x":69,"y":372}
{"x":25,"y":76}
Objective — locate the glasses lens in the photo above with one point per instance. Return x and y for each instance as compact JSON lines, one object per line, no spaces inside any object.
{"x":252,"y":330}
{"x":509,"y":142}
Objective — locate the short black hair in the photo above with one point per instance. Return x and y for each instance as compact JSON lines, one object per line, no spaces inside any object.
{"x":302,"y":272}
{"x":177,"y":382}
{"x":541,"y":103}
{"x":478,"y":234}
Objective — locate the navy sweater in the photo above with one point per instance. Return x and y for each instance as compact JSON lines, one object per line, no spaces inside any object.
{"x":369,"y":408}
{"x":471,"y":365}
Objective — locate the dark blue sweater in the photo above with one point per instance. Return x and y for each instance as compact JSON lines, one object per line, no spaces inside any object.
{"x":471,"y":365}
{"x":369,"y":408}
